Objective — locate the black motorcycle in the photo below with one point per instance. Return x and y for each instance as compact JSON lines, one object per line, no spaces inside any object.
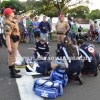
{"x":82,"y":36}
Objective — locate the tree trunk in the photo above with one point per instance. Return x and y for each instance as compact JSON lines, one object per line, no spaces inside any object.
{"x":60,"y":11}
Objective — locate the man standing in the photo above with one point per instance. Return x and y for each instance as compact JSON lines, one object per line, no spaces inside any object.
{"x":50,"y":22}
{"x":61,"y":27}
{"x":95,"y":33}
{"x":70,"y":22}
{"x":44,"y":28}
{"x":36,"y":29}
{"x":22,"y":29}
{"x":29,"y":29}
{"x":2,"y":40}
{"x":12,"y":40}
{"x":74,"y":30}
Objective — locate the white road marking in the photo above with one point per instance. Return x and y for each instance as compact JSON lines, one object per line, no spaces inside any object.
{"x":25,"y":85}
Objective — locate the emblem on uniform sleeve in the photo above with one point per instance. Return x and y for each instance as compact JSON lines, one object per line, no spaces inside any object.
{"x":7,"y":28}
{"x":90,"y":49}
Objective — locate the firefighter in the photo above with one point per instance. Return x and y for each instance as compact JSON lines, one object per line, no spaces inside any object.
{"x":41,"y":48}
{"x":69,"y":53}
{"x":91,"y":58}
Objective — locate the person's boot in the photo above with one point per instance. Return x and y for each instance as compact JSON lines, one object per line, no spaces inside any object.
{"x":17,"y":71}
{"x":13,"y":72}
{"x":80,"y":79}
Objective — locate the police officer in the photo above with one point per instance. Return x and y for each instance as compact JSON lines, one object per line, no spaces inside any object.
{"x":12,"y":39}
{"x":91,"y":58}
{"x":61,"y":27}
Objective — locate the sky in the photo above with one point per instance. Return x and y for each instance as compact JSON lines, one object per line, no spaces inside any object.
{"x":95,"y":4}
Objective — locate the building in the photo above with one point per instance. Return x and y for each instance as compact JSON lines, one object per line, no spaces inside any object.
{"x":83,"y":21}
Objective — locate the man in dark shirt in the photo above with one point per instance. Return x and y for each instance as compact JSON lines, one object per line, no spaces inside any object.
{"x":44,"y":28}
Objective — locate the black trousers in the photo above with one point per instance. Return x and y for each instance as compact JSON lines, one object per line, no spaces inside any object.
{"x":2,"y":40}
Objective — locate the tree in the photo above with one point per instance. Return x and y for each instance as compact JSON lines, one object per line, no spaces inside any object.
{"x":29,"y":5}
{"x":62,"y":5}
{"x":94,"y":14}
{"x":46,"y":8}
{"x":17,"y":5}
{"x":79,"y":12}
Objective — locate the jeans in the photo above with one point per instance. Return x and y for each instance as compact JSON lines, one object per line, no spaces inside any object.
{"x":68,"y":34}
{"x":44,"y":35}
{"x":31,"y":36}
{"x":73,"y":36}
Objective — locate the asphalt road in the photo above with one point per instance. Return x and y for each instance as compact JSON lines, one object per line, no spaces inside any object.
{"x":90,"y":90}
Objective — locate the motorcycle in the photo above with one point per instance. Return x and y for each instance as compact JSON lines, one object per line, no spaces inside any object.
{"x":82,"y":36}
{"x":92,"y":36}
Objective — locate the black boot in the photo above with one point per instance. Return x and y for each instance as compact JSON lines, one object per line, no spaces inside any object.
{"x":17,"y":71}
{"x":13,"y":72}
{"x":80,"y":79}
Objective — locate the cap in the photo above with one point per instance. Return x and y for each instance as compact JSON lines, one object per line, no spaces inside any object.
{"x":8,"y":11}
{"x":61,"y":16}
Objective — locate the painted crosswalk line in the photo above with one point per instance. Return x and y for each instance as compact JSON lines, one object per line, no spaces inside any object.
{"x":25,"y":85}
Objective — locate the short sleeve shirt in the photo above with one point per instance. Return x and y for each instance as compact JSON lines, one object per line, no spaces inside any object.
{"x":11,"y":27}
{"x":62,"y":26}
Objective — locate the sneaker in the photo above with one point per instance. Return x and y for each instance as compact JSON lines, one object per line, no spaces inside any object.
{"x":31,"y":71}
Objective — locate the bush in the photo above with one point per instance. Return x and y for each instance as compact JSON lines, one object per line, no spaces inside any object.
{"x":85,"y":30}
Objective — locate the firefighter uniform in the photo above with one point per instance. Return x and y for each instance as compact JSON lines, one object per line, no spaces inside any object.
{"x":11,"y":28}
{"x":91,"y":60}
{"x":74,"y":66}
{"x":42,"y":49}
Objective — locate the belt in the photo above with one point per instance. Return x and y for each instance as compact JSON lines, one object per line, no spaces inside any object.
{"x":59,"y":33}
{"x":15,"y":38}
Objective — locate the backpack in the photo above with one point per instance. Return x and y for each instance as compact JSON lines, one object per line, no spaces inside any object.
{"x":47,"y":89}
{"x":60,"y":75}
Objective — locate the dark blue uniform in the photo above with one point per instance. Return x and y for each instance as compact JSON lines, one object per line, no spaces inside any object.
{"x":59,"y":51}
{"x":75,"y":66}
{"x":42,"y":49}
{"x":42,"y":67}
{"x":92,"y":64}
